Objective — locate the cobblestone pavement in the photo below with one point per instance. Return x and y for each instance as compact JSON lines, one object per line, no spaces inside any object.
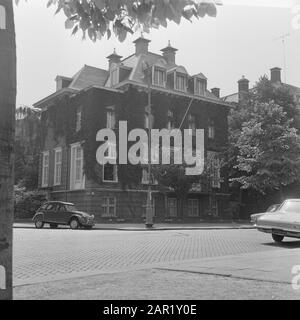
{"x":46,"y":255}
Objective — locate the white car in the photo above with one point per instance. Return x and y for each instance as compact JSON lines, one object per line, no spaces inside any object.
{"x":284,"y":222}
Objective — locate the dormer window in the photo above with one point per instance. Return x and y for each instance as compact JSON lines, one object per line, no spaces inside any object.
{"x":2,"y":18}
{"x":181,"y":82}
{"x":159,"y":77}
{"x":200,"y":86}
{"x":114,"y":75}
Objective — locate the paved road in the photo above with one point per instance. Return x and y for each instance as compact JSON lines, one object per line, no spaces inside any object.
{"x":46,"y":255}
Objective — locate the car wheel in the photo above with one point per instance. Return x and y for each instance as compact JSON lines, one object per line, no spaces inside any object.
{"x":53,"y":225}
{"x":39,"y":223}
{"x":277,"y":238}
{"x":74,"y":224}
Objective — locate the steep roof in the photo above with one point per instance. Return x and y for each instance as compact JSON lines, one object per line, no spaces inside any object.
{"x":88,"y":76}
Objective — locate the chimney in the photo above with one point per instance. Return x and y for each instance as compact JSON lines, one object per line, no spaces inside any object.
{"x":169,"y":53}
{"x":243,"y":85}
{"x":141,"y":45}
{"x":216,"y":92}
{"x":62,"y":82}
{"x":275,"y":75}
{"x":114,"y":58}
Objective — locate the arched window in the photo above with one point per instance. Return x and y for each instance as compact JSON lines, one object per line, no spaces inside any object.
{"x":2,"y":18}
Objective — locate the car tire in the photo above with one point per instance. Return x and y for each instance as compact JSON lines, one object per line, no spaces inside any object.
{"x":74,"y":224}
{"x":39,"y":223}
{"x":277,"y":238}
{"x":53,"y":225}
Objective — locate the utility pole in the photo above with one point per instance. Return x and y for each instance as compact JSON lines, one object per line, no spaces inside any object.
{"x":149,"y":209}
{"x":283,"y":40}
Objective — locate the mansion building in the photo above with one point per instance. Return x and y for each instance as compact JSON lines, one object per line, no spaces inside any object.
{"x":94,"y":99}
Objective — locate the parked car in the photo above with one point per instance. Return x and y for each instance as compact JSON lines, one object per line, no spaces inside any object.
{"x":270,"y":209}
{"x":62,"y":213}
{"x":284,"y":222}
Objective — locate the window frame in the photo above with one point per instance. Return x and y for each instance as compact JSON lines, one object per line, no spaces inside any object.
{"x":45,"y":182}
{"x":192,"y":207}
{"x":78,"y":124}
{"x":169,"y":200}
{"x":157,"y":70}
{"x":106,"y":205}
{"x":111,"y":119}
{"x":184,"y":77}
{"x":57,"y":163}
{"x":74,"y":183}
{"x":203,"y":83}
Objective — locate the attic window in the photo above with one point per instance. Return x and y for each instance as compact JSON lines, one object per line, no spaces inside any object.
{"x":180,"y":82}
{"x":2,"y":18}
{"x":200,"y":86}
{"x":159,"y":77}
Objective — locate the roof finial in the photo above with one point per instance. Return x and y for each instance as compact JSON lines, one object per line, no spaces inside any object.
{"x":169,"y":43}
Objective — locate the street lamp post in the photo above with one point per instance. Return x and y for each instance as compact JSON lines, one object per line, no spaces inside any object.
{"x":149,"y":209}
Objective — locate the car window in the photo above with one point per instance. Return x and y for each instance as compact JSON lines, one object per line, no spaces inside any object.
{"x":291,"y":206}
{"x":61,"y":208}
{"x":50,"y":206}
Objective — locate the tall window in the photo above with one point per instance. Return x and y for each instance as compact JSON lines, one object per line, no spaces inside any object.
{"x":110,"y":118}
{"x":215,"y":169}
{"x":45,"y":173}
{"x":193,"y":207}
{"x":114,"y":76}
{"x":180,"y":82}
{"x":57,"y":166}
{"x":76,"y":172}
{"x":200,"y":86}
{"x":109,"y":205}
{"x":171,"y":121}
{"x":172,"y":207}
{"x":2,"y":18}
{"x":78,"y":118}
{"x":192,"y":123}
{"x":159,"y":78}
{"x":110,"y":173}
{"x":211,"y":129}
{"x":147,"y":121}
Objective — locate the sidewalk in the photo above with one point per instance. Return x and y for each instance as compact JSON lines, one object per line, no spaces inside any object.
{"x":156,"y":227}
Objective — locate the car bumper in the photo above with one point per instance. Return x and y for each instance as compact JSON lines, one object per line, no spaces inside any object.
{"x":281,"y":232}
{"x":87,"y":223}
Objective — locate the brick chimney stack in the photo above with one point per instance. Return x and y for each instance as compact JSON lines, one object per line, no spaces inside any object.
{"x":141,"y":45}
{"x":216,"y":92}
{"x":243,"y":85}
{"x":113,"y":58}
{"x":169,"y":53}
{"x":275,"y":75}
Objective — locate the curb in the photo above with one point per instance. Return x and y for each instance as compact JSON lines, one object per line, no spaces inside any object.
{"x":152,"y":229}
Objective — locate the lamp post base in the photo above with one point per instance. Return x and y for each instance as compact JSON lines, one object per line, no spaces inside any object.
{"x":149,"y":225}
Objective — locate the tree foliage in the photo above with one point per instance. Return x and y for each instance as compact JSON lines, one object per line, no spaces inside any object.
{"x":264,"y":153}
{"x":98,"y":18}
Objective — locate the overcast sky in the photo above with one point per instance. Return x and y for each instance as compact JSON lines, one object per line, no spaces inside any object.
{"x":241,"y":40}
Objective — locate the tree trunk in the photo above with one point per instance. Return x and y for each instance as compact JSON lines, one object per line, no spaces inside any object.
{"x":7,"y":125}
